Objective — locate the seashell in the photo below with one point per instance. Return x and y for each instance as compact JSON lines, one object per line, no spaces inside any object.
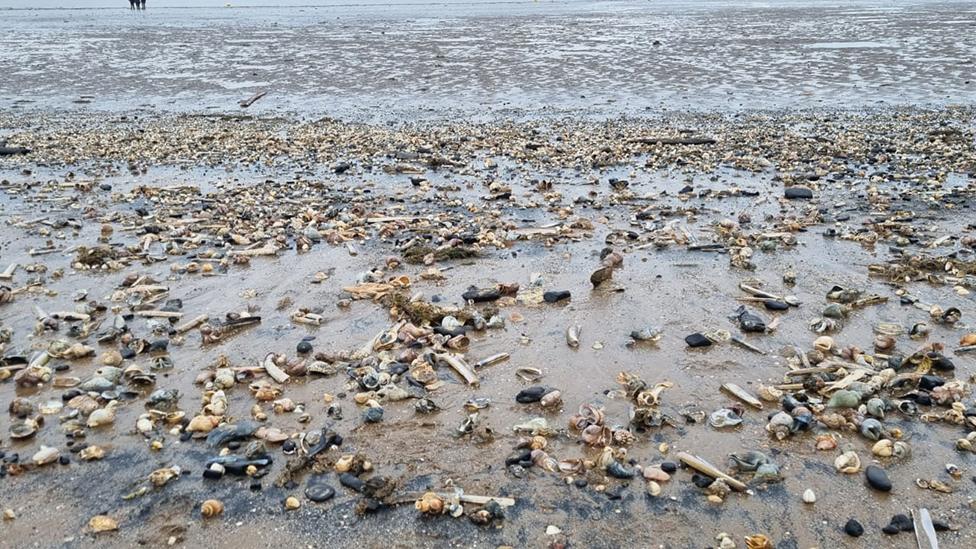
{"x":876,"y":407}
{"x":596,"y":435}
{"x":202,"y":424}
{"x":551,"y":399}
{"x":826,"y":442}
{"x":102,"y":416}
{"x":968,"y":340}
{"x":769,"y":394}
{"x":211,"y":508}
{"x":572,"y":466}
{"x":844,"y":399}
{"x":653,"y":488}
{"x":901,"y":449}
{"x":605,"y":458}
{"x":617,"y":470}
{"x":92,"y":453}
{"x":85,"y":404}
{"x":780,"y":425}
{"x":160,"y":477}
{"x":848,"y":463}
{"x":656,"y":474}
{"x":534,"y":426}
{"x":724,"y":417}
{"x":872,"y":428}
{"x":884,"y":342}
{"x":824,"y":344}
{"x":883,"y":448}
{"x":46,"y":455}
{"x":768,"y":472}
{"x":747,"y":461}
{"x":544,"y":461}
{"x":430,"y":503}
{"x":758,"y":541}
{"x":102,"y":523}
{"x":144,"y":424}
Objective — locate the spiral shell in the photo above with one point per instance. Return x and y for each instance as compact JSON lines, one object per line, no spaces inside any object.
{"x":211,"y":508}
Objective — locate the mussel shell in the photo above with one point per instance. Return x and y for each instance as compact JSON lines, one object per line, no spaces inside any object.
{"x":618,"y":470}
{"x":532,"y":394}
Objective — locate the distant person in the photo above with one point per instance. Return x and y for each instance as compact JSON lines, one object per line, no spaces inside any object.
{"x":143,"y":3}
{"x":133,"y":4}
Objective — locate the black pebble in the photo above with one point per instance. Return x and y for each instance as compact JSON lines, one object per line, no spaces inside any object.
{"x":319,"y":492}
{"x":853,"y":528}
{"x":798,"y":192}
{"x":702,"y":481}
{"x":697,"y":340}
{"x":288,"y":446}
{"x":304,"y":347}
{"x":531,"y":394}
{"x":256,"y":485}
{"x":580,"y":483}
{"x":234,"y":444}
{"x":891,"y":530}
{"x":669,"y":467}
{"x":351,"y":481}
{"x":554,"y":296}
{"x":927,"y":383}
{"x":64,"y":459}
{"x":774,"y":305}
{"x":902,"y":523}
{"x":877,"y":478}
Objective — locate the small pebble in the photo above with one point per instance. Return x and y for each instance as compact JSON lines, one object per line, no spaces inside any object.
{"x":853,"y":528}
{"x":809,"y":496}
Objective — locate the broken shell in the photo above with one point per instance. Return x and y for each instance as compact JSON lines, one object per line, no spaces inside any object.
{"x":758,"y":541}
{"x":102,"y":523}
{"x":883,"y":448}
{"x":826,"y":442}
{"x":550,"y":399}
{"x":725,"y":417}
{"x":824,"y":344}
{"x":160,"y":477}
{"x":45,"y":455}
{"x":92,"y":453}
{"x":747,"y":461}
{"x":848,"y":463}
{"x":883,"y":342}
{"x":212,"y":508}
{"x":769,"y":394}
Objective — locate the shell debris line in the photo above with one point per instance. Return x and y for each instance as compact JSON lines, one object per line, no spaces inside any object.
{"x":278,"y":323}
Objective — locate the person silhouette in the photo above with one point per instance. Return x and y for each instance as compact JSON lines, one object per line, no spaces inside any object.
{"x":143,"y":4}
{"x":133,"y":4}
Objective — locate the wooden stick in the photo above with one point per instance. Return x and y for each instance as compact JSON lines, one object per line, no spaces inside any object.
{"x":159,"y":314}
{"x":704,"y":467}
{"x":186,"y":327}
{"x":245,"y":103}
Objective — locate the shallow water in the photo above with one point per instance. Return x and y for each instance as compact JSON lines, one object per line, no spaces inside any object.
{"x":375,"y":61}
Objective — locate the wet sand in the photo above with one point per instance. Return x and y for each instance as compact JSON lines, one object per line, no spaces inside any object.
{"x":679,"y":290}
{"x":512,"y":125}
{"x":485,"y":59}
